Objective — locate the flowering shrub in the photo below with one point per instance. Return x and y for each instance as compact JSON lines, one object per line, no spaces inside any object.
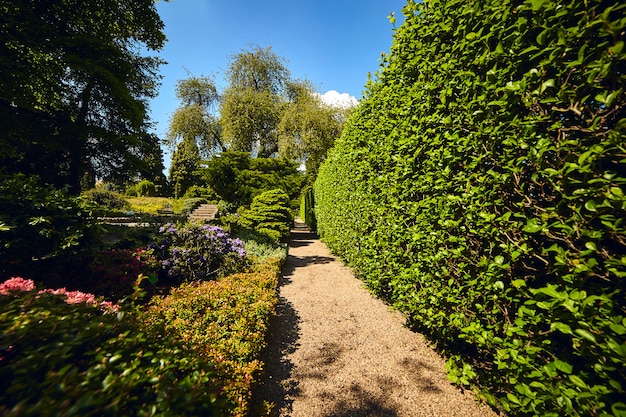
{"x":197,"y":252}
{"x":16,"y":284}
{"x":114,"y":272}
{"x":60,"y":358}
{"x":19,"y":284}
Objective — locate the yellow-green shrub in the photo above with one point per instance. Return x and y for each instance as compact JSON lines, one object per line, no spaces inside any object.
{"x":223,"y":321}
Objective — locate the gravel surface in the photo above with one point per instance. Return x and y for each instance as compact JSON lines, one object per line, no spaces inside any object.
{"x":337,"y":351}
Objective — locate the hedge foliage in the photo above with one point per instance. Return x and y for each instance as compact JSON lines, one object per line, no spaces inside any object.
{"x":225,"y":322}
{"x":480,"y":187}
{"x":307,"y":204}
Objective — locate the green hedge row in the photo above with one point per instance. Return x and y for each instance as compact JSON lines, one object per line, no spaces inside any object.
{"x":480,"y":186}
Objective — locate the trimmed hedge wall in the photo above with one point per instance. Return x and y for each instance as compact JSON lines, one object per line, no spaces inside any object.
{"x":479,"y":186}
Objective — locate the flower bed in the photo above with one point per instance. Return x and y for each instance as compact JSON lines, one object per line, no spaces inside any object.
{"x":193,"y":352}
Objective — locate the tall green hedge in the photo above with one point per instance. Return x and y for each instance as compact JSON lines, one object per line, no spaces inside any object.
{"x":307,"y":204}
{"x":480,"y":186}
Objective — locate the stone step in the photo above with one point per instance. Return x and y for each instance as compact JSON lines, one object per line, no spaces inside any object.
{"x":204,"y":212}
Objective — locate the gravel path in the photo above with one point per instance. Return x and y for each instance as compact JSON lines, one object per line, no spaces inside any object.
{"x":336,"y":351}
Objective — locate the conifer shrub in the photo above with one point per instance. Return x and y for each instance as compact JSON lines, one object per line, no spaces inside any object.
{"x":480,"y":187}
{"x":269,"y":214}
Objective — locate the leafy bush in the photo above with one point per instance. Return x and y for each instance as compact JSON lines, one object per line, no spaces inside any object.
{"x":145,"y":188}
{"x":60,"y":355}
{"x":269,"y":214}
{"x":307,"y":212}
{"x":195,"y":191}
{"x":114,"y":272}
{"x":105,"y":199}
{"x":480,"y":187}
{"x":197,"y":252}
{"x":226,"y":322}
{"x":38,"y":222}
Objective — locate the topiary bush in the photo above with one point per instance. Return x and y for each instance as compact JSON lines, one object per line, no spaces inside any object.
{"x":480,"y":186}
{"x":269,"y":214}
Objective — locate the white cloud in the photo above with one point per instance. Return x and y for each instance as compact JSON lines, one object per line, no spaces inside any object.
{"x":336,"y":99}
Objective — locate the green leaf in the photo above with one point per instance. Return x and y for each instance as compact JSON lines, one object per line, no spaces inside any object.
{"x":586,"y":334}
{"x":590,"y":205}
{"x":537,"y":4}
{"x":532,"y":226}
{"x":563,"y":366}
{"x":617,"y":191}
{"x":561,"y":327}
{"x":578,"y":381}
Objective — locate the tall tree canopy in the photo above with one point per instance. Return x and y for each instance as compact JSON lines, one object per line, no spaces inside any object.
{"x":75,"y":84}
{"x":308,"y":127}
{"x":193,"y":120}
{"x":252,"y":104}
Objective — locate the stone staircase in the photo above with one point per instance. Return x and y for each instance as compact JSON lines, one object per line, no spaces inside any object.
{"x":203,"y":212}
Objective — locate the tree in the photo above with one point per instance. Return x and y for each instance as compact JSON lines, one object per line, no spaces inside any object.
{"x":252,"y":104}
{"x":193,"y":121}
{"x":184,"y":167}
{"x":75,"y":85}
{"x":308,"y":128}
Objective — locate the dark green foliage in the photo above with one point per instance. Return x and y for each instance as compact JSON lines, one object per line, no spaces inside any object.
{"x":237,"y":178}
{"x":184,"y":167}
{"x":307,"y":212}
{"x":75,"y":82}
{"x":269,"y":214}
{"x":61,"y":359}
{"x":36,"y":223}
{"x":480,"y":187}
{"x":196,"y":191}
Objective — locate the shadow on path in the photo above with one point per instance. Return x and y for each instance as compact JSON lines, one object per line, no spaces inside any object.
{"x":282,"y":340}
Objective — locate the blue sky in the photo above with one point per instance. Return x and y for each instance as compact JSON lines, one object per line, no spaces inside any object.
{"x":334,"y":44}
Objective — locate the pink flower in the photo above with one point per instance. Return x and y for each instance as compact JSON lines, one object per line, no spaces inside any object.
{"x":78,"y":297}
{"x":71,"y":297}
{"x":16,"y":284}
{"x":109,"y":307}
